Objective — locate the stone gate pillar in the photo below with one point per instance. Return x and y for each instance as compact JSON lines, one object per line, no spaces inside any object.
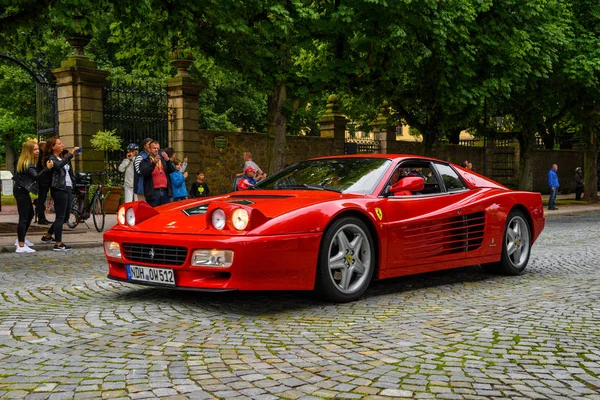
{"x":183,"y":102}
{"x":382,"y":130}
{"x":333,"y":125}
{"x":79,"y":93}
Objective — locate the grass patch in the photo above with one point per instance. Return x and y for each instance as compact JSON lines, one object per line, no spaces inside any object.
{"x":8,"y":200}
{"x":11,"y":201}
{"x":567,"y":202}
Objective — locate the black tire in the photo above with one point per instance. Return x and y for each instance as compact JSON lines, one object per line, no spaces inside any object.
{"x":98,"y":213}
{"x":73,"y":219}
{"x":345,"y":270}
{"x":74,"y":215}
{"x":516,"y":246}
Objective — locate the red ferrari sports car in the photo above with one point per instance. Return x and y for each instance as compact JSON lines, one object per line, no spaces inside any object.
{"x":330,"y":224}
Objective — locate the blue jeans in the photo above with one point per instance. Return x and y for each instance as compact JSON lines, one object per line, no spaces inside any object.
{"x":552,"y":198}
{"x":161,"y":196}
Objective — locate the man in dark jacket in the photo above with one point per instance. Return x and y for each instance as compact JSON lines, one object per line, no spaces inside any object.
{"x":155,"y":171}
{"x":138,"y":181}
{"x":579,"y":183}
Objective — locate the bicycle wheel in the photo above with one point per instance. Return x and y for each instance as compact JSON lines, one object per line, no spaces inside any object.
{"x":74,"y":215}
{"x":98,"y":212}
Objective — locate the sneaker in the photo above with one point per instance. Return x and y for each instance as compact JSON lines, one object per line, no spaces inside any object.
{"x":48,"y":240}
{"x":62,"y":247}
{"x":27,"y":243}
{"x":24,"y":249}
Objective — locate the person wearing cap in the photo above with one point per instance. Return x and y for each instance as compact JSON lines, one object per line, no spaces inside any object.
{"x":248,"y":179}
{"x":126,"y":167}
{"x":578,"y":183}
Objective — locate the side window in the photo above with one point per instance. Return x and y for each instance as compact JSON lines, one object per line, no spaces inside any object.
{"x":450,"y":178}
{"x":424,"y":170}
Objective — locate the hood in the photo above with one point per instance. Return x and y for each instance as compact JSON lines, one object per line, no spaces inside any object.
{"x":189,"y":216}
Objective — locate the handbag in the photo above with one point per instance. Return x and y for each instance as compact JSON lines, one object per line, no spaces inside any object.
{"x":32,"y":187}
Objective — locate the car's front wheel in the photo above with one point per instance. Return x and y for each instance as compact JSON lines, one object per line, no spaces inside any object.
{"x":346,"y":260}
{"x":516,"y":246}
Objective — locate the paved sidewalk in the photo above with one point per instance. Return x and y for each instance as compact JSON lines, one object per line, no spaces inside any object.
{"x":84,"y":236}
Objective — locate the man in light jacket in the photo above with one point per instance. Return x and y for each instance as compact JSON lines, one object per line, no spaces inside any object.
{"x":127,"y":168}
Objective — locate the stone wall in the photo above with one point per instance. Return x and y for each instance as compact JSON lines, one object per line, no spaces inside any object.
{"x":221,"y":165}
{"x":567,"y":161}
{"x":454,"y":153}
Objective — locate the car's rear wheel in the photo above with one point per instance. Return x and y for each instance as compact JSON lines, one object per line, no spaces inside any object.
{"x":516,"y":246}
{"x":346,"y":260}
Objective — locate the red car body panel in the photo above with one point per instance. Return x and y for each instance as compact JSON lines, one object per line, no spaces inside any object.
{"x":412,"y":234}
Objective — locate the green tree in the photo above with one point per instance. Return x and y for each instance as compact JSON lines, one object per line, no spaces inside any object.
{"x":582,"y":67}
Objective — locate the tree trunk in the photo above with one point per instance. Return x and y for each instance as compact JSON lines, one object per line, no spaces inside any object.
{"x":526,"y":144}
{"x":277,"y":126}
{"x":549,"y":137}
{"x":590,"y":168}
{"x":454,"y":136}
{"x":429,"y":142}
{"x":10,"y":155}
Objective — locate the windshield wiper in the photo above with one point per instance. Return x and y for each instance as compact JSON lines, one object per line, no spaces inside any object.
{"x":311,"y":187}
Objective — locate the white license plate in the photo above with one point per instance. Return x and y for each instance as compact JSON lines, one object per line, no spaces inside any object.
{"x":138,"y":273}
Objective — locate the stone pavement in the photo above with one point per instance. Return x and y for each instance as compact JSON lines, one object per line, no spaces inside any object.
{"x":66,"y":332}
{"x":82,"y":236}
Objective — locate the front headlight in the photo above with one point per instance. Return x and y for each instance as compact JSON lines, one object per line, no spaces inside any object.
{"x":112,"y":249}
{"x":240,"y":219}
{"x":130,"y":216}
{"x":212,"y":258}
{"x":121,"y":215}
{"x":218,"y":219}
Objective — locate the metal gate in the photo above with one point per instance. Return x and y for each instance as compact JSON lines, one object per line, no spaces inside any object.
{"x":503,"y":156}
{"x":45,"y":94}
{"x":136,"y":112}
{"x":357,"y":146}
{"x":46,"y":110}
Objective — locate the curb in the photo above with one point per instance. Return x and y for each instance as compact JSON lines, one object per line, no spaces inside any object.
{"x":50,"y":246}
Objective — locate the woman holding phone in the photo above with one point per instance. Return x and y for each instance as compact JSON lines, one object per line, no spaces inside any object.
{"x":26,"y":178}
{"x":60,"y":189}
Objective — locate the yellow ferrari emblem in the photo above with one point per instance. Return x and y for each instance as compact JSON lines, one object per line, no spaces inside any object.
{"x":379,"y":213}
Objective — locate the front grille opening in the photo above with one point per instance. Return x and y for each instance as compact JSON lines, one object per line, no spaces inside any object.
{"x":155,"y":254}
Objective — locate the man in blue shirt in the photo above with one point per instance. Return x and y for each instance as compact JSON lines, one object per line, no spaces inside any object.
{"x":554,"y":185}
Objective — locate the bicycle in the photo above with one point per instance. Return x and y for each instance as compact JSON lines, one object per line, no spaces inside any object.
{"x":81,"y":209}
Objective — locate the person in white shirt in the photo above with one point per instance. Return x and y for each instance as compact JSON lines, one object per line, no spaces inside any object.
{"x":127,"y":168}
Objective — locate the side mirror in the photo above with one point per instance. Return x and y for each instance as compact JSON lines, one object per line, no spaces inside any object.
{"x":408,"y":183}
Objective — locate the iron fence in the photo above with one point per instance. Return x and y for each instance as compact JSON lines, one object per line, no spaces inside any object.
{"x":46,"y":102}
{"x":357,"y":146}
{"x":136,"y":112}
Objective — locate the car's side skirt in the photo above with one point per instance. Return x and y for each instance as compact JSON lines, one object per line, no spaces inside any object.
{"x":437,"y":266}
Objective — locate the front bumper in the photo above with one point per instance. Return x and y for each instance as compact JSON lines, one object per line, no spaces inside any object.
{"x":283,"y":262}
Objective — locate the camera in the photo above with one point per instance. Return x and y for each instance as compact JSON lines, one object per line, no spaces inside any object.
{"x":79,"y":150}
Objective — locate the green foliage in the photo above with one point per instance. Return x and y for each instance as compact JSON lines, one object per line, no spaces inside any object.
{"x":106,"y":140}
{"x":442,"y":66}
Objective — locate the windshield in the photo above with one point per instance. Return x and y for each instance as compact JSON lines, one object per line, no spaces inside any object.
{"x":348,"y":175}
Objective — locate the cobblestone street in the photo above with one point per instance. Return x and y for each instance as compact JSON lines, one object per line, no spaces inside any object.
{"x":68,"y":332}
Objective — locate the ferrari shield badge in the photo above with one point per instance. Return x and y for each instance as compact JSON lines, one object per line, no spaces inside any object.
{"x":379,"y":213}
